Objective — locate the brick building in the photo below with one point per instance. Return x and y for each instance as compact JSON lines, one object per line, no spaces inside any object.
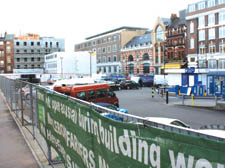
{"x":206,"y":34}
{"x":176,"y":42}
{"x":136,"y":57}
{"x":108,"y":45}
{"x":6,"y":53}
{"x":158,"y":43}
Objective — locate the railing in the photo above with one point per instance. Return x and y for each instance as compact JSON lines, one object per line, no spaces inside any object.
{"x":21,"y":98}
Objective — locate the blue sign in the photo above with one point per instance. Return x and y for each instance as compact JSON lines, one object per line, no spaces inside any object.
{"x":190,"y":70}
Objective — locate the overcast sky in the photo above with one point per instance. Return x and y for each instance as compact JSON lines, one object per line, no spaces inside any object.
{"x":75,"y":20}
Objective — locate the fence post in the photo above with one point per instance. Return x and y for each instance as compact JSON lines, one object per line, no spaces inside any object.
{"x":167,"y":97}
{"x":49,"y":154}
{"x":152,"y":92}
{"x":31,"y":108}
{"x":21,"y":103}
{"x":183,"y":99}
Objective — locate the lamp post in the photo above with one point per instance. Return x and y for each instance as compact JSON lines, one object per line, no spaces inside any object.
{"x":61,"y":58}
{"x":90,"y":52}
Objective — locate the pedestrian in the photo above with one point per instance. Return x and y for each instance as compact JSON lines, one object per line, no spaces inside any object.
{"x":140,"y":83}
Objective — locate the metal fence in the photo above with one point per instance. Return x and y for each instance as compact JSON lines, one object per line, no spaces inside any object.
{"x":21,"y":98}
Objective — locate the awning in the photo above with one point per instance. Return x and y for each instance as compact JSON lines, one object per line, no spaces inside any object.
{"x":172,"y":66}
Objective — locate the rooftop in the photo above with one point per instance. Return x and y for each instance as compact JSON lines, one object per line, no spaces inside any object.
{"x":140,"y":40}
{"x":117,"y":29}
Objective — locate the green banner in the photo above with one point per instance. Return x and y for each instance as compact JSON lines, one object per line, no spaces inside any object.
{"x":84,"y":138}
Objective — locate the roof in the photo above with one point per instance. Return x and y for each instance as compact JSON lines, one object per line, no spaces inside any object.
{"x":142,"y":39}
{"x":117,"y":29}
{"x":166,"y":21}
{"x":220,"y":73}
{"x":177,"y":23}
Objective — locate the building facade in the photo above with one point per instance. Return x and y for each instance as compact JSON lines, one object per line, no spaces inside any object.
{"x":30,"y":49}
{"x":175,"y":56}
{"x":6,"y":53}
{"x":158,"y":44}
{"x":206,"y":34}
{"x":136,"y":57}
{"x":108,"y":45}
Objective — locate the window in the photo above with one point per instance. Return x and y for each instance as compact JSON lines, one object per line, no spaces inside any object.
{"x":212,"y":48}
{"x":1,"y":53}
{"x":109,"y":69}
{"x":145,"y":57}
{"x":212,"y":63}
{"x":81,"y":95}
{"x":18,"y":59}
{"x":191,"y":27}
{"x":101,"y":93}
{"x":109,"y":58}
{"x":115,"y":69}
{"x":32,"y":59}
{"x":1,"y":63}
{"x":130,"y":58}
{"x":99,"y":50}
{"x":201,"y":21}
{"x":191,"y":8}
{"x":32,"y":43}
{"x":46,"y":44}
{"x":110,"y":93}
{"x":211,"y":3}
{"x":202,"y":64}
{"x":99,"y":60}
{"x":211,"y":19}
{"x":222,"y":17}
{"x":8,"y":68}
{"x":25,"y":51}
{"x":221,"y":2}
{"x":32,"y":51}
{"x":201,"y":5}
{"x":222,"y":32}
{"x":114,"y":48}
{"x":104,"y":59}
{"x":221,"y":63}
{"x":103,"y":50}
{"x":192,"y":43}
{"x":8,"y":48}
{"x":109,"y":49}
{"x":8,"y":59}
{"x":91,"y":95}
{"x":159,"y":33}
{"x":25,"y":59}
{"x":24,"y":43}
{"x":202,"y":49}
{"x":39,"y":59}
{"x":201,"y":35}
{"x":211,"y":33}
{"x":18,"y":66}
{"x":222,"y":47}
{"x":17,"y":43}
{"x":114,"y":58}
{"x":146,"y":68}
{"x":38,"y":43}
{"x":114,"y":37}
{"x":94,"y":43}
{"x":192,"y":59}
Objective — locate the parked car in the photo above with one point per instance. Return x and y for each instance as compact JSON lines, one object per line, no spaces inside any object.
{"x":168,"y":121}
{"x":129,"y":84}
{"x":112,"y":116}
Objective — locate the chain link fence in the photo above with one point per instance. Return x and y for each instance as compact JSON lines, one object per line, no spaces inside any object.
{"x":22,"y":100}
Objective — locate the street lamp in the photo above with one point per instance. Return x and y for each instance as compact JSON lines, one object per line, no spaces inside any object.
{"x":61,"y":58}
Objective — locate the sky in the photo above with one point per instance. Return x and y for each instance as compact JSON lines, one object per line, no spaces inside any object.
{"x":74,"y":20}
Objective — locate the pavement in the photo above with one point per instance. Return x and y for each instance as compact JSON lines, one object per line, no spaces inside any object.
{"x":14,"y":152}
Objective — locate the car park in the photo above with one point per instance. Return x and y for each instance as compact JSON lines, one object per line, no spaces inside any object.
{"x":129,"y":84}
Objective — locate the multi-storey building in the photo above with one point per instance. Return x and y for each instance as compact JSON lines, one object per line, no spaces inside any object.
{"x":206,"y":34}
{"x":176,"y":42}
{"x":30,"y":49}
{"x":108,"y":45}
{"x":6,"y":53}
{"x":158,"y":44}
{"x":136,"y":57}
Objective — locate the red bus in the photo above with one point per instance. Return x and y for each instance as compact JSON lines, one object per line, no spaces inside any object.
{"x":96,"y":93}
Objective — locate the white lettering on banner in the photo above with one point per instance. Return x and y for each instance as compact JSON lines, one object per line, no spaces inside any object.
{"x":70,"y":163}
{"x":180,"y":163}
{"x":102,"y":163}
{"x":155,"y":155}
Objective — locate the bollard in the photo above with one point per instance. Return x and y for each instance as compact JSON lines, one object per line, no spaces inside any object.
{"x":152,"y":92}
{"x":192,"y":98}
{"x":167,"y":97}
{"x":179,"y":92}
{"x":205,"y":93}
